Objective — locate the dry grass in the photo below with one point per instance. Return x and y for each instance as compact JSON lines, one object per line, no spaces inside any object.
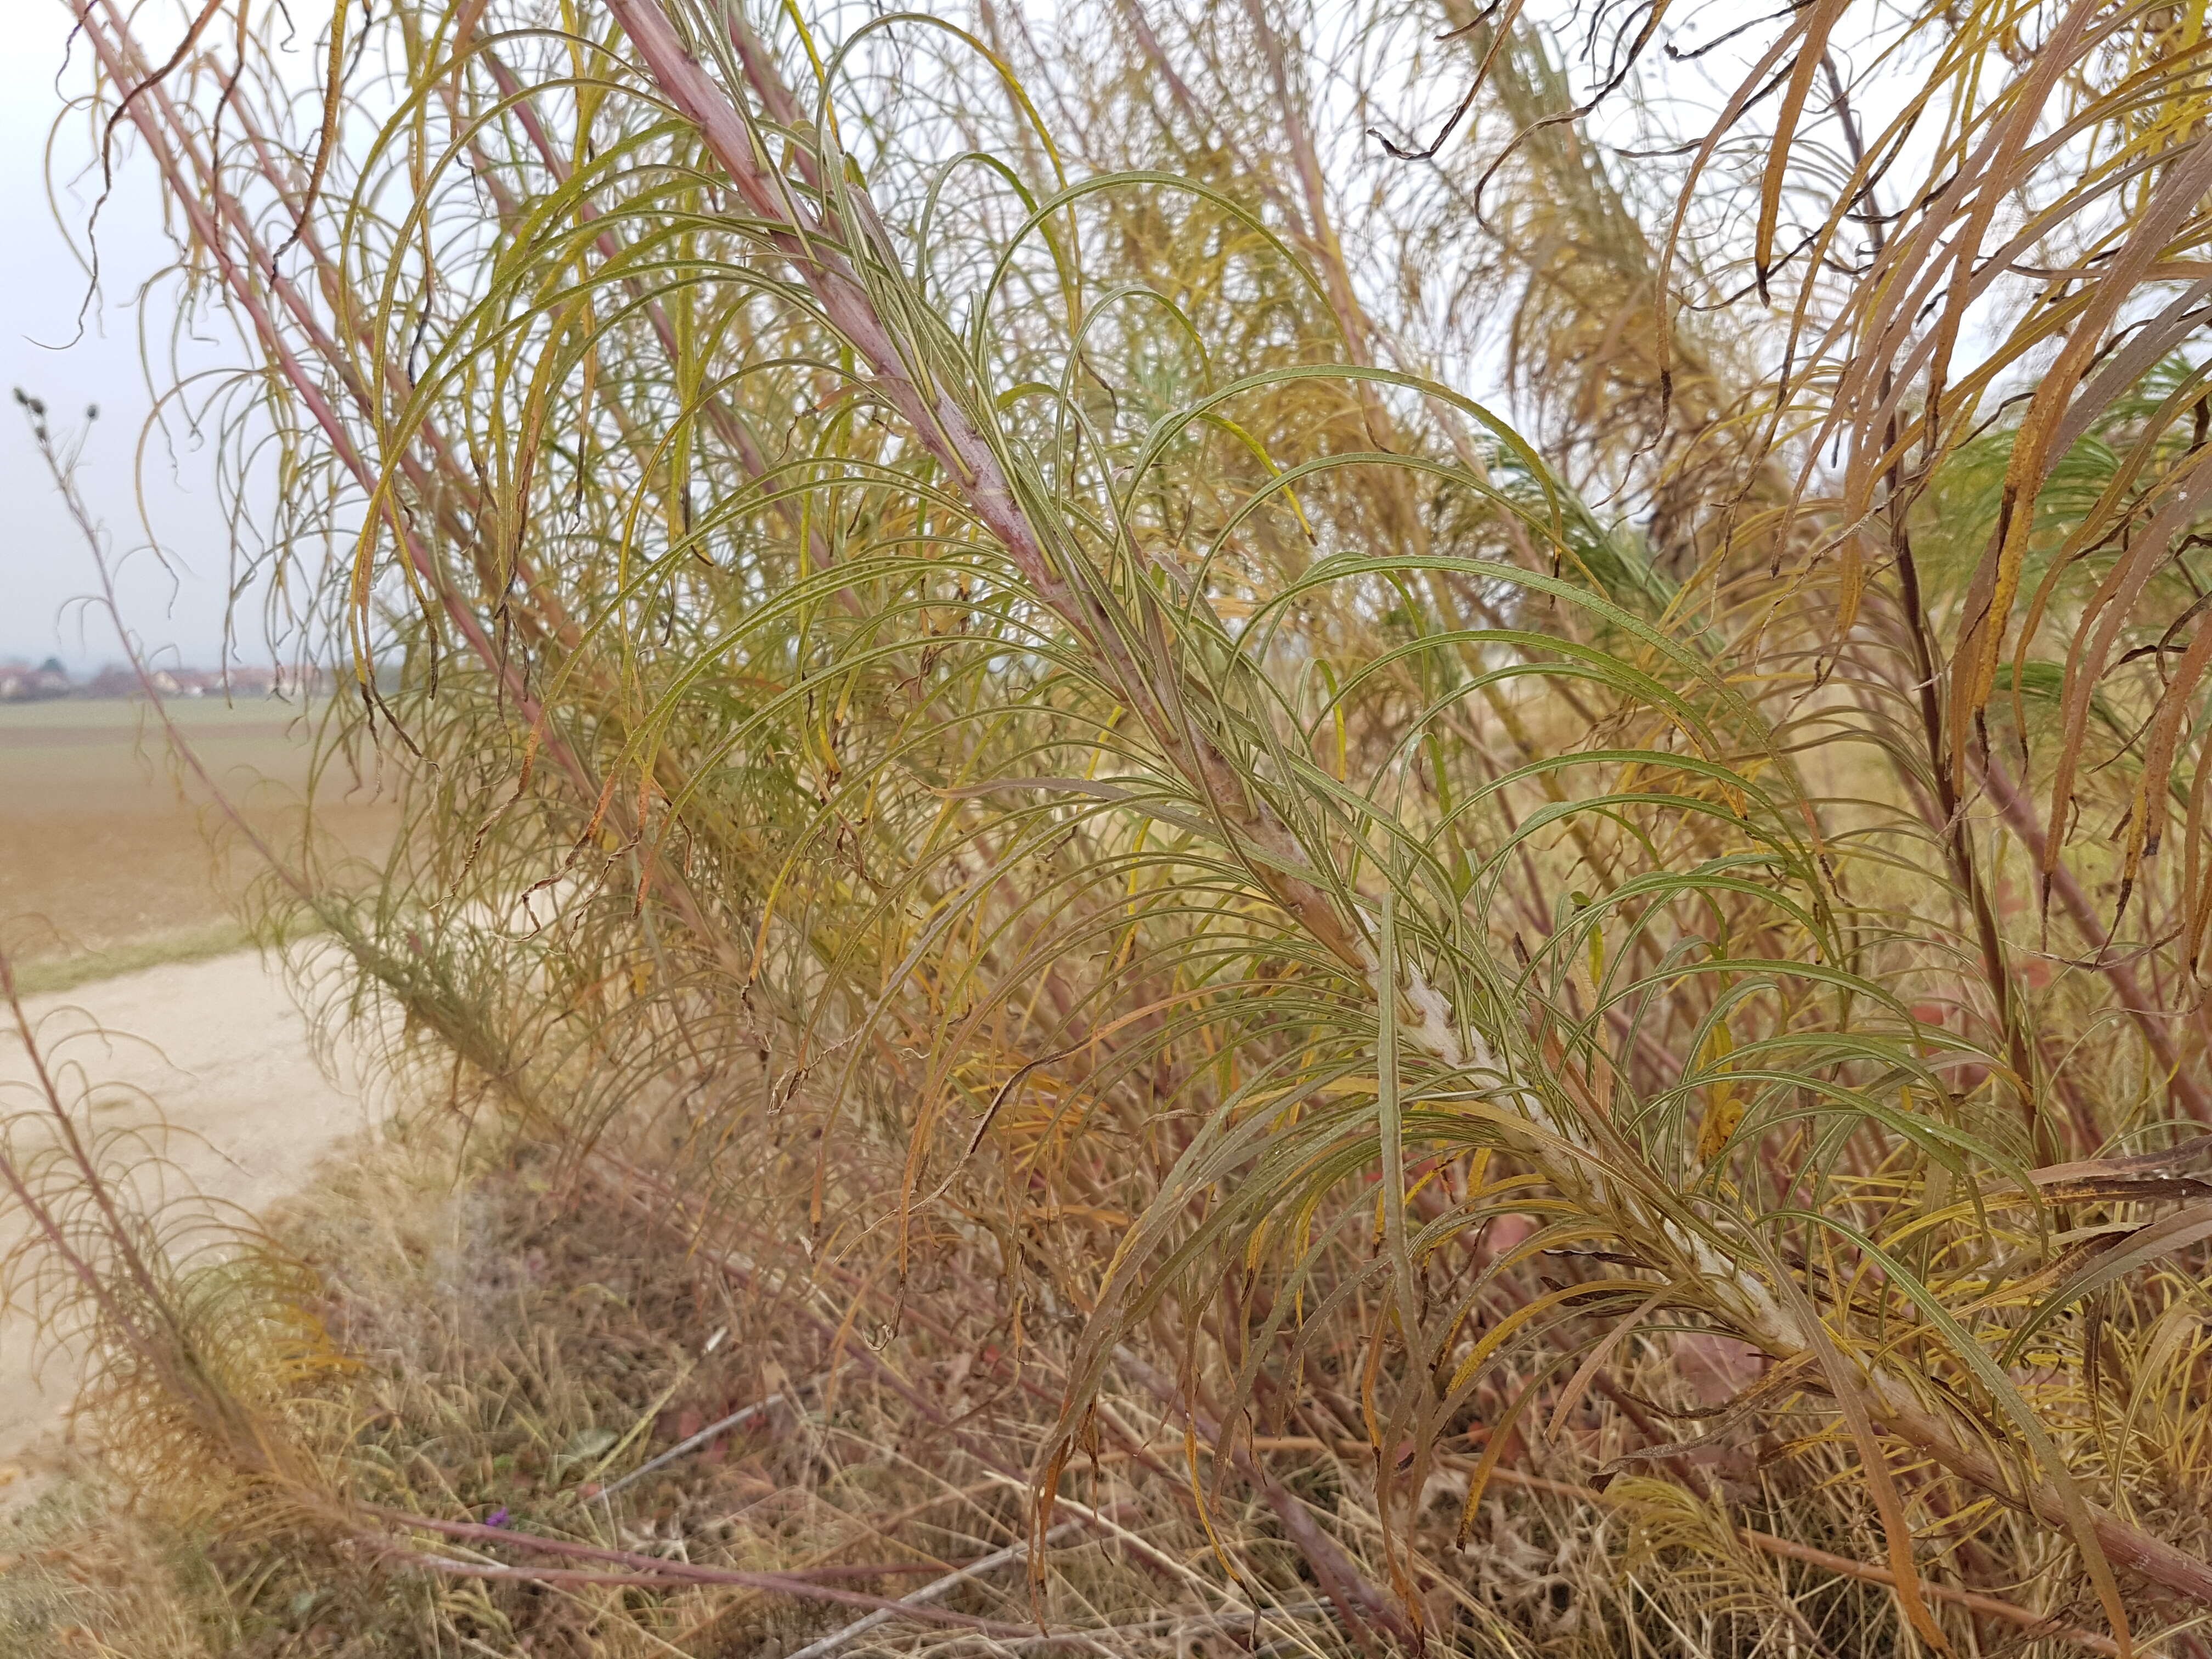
{"x":522,"y":1339}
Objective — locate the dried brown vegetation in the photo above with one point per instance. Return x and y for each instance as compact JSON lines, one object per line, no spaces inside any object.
{"x":1334,"y":1021}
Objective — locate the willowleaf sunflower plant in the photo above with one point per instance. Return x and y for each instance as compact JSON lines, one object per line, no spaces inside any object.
{"x":1348,"y":718}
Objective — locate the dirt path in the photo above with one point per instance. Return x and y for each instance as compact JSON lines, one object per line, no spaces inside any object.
{"x":221,"y":1049}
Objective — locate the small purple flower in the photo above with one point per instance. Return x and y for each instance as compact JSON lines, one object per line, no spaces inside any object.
{"x":498,"y":1518}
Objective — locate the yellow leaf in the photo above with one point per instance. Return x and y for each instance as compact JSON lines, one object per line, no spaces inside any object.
{"x":1724,"y":1110}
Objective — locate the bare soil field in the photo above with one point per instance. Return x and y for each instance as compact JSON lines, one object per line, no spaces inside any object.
{"x":106,"y":863}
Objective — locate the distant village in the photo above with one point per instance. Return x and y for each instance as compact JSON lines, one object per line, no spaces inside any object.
{"x":19,"y":682}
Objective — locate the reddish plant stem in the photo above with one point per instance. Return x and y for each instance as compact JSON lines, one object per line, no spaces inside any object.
{"x":1842,"y":1565}
{"x":964,"y":449}
{"x":2020,"y":813}
{"x":120,"y":65}
{"x":118,"y":58}
{"x":1361,"y":1602}
{"x":1957,"y":838}
{"x":2125,"y":1545}
{"x":655,"y":1567}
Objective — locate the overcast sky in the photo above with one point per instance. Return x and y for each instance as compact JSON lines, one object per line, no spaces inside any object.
{"x":43,"y":562}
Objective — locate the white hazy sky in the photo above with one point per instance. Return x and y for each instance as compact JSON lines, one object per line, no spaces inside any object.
{"x":43,"y":562}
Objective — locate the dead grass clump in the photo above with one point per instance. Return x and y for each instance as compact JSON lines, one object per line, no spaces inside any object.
{"x":81,"y":1573}
{"x":534,"y":1346}
{"x":522,"y":1347}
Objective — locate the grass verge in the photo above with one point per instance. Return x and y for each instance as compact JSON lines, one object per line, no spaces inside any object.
{"x":65,"y":973}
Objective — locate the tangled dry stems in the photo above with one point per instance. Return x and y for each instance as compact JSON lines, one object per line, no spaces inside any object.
{"x":511,"y":1336}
